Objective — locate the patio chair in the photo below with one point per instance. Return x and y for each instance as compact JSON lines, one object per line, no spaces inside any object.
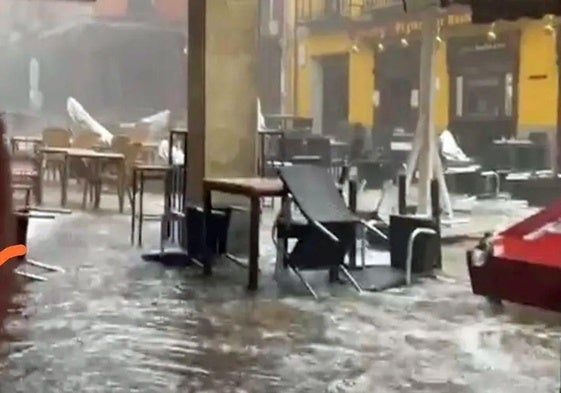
{"x":328,"y":233}
{"x":26,"y":171}
{"x":109,"y":175}
{"x":55,"y":137}
{"x":120,"y":143}
{"x":86,"y":140}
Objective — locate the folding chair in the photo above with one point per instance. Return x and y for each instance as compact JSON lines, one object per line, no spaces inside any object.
{"x":328,"y":233}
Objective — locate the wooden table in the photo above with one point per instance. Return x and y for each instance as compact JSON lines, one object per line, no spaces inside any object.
{"x":89,"y":154}
{"x":253,"y":188}
{"x":33,"y":140}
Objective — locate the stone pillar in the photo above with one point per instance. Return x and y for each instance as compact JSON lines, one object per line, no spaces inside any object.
{"x":222,"y":90}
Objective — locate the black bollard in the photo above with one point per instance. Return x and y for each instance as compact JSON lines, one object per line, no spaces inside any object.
{"x":402,"y":194}
{"x":353,"y":192}
{"x":435,"y":201}
{"x":435,"y":207}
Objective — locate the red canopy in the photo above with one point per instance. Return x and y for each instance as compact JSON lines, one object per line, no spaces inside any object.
{"x":487,"y":11}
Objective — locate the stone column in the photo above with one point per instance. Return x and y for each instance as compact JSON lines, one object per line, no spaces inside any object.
{"x":222,"y":90}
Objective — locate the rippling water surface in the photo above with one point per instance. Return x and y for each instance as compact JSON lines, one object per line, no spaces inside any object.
{"x":113,"y":323}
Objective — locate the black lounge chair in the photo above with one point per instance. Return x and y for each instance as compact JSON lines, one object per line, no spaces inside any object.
{"x":329,"y":232}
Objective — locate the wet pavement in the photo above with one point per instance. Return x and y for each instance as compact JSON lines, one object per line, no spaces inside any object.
{"x":113,"y":323}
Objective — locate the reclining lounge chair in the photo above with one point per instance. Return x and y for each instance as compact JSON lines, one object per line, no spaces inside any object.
{"x":328,"y":234}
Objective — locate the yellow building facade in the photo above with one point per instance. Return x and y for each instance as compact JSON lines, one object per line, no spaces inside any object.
{"x":491,"y":80}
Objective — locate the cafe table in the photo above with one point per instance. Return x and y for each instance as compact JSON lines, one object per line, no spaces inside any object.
{"x":253,"y":188}
{"x":95,"y":158}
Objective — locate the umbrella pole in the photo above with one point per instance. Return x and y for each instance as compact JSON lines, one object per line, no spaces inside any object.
{"x":424,"y":153}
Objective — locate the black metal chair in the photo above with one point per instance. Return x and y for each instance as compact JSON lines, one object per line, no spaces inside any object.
{"x":328,"y":233}
{"x":321,"y":147}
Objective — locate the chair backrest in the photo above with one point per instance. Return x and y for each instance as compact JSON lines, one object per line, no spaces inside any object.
{"x":319,"y":146}
{"x":120,"y":143}
{"x":132,"y":153}
{"x":56,"y":137}
{"x":292,"y":146}
{"x":86,"y":140}
{"x":140,"y":133}
{"x":316,"y":194}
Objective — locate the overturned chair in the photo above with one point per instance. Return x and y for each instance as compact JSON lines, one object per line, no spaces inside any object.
{"x":327,"y":232}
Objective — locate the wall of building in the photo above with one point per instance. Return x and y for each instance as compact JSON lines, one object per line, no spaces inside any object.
{"x":361,"y":77}
{"x":537,"y":86}
{"x":538,"y":79}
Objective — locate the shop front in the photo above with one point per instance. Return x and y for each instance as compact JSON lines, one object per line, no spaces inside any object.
{"x":483,"y":89}
{"x":396,"y":98}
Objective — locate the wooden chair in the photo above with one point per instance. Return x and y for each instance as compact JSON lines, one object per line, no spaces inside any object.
{"x":117,"y":176}
{"x":55,"y":137}
{"x":86,"y":140}
{"x":140,"y":133}
{"x":120,"y":143}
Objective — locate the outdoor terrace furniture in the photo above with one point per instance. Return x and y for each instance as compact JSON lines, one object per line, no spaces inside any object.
{"x":27,"y":170}
{"x":141,"y":173}
{"x":271,"y":150}
{"x":55,"y":138}
{"x":26,"y":189}
{"x":254,"y":189}
{"x":516,"y":155}
{"x":327,"y":234}
{"x":287,"y":121}
{"x":17,"y":141}
{"x":96,"y":161}
{"x":114,"y":169}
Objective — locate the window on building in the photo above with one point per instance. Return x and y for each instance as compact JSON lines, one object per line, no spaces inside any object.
{"x":484,"y":96}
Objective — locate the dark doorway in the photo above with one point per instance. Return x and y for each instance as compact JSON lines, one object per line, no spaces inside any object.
{"x":483,"y":90}
{"x":396,"y":76}
{"x":335,"y":109}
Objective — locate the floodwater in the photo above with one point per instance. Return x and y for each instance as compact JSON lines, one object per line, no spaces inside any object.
{"x":113,"y":323}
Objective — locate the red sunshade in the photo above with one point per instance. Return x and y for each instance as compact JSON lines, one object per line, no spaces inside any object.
{"x":487,"y":11}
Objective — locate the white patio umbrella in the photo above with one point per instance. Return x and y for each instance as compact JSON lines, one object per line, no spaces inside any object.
{"x":82,"y":121}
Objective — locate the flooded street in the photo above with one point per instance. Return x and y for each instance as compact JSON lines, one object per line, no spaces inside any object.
{"x":113,"y":323}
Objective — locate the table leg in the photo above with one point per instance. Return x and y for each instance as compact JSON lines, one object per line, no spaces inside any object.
{"x":96,"y":186}
{"x":255,"y":214}
{"x":262,"y":155}
{"x":141,"y":208}
{"x":133,"y":205}
{"x":207,"y":253}
{"x":64,"y":181}
{"x":39,"y":182}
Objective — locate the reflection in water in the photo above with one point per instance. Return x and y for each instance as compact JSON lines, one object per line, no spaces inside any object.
{"x":115,"y":324}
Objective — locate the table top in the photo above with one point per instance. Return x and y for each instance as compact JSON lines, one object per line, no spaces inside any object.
{"x":271,"y":131}
{"x":151,"y":167}
{"x":280,"y":116}
{"x":150,"y":145}
{"x":248,"y":186}
{"x":82,"y":153}
{"x":514,"y":142}
{"x":21,"y":138}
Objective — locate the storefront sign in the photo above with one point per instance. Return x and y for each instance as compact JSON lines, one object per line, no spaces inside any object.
{"x":408,"y":27}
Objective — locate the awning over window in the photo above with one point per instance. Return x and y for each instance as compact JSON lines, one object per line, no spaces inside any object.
{"x":487,"y":11}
